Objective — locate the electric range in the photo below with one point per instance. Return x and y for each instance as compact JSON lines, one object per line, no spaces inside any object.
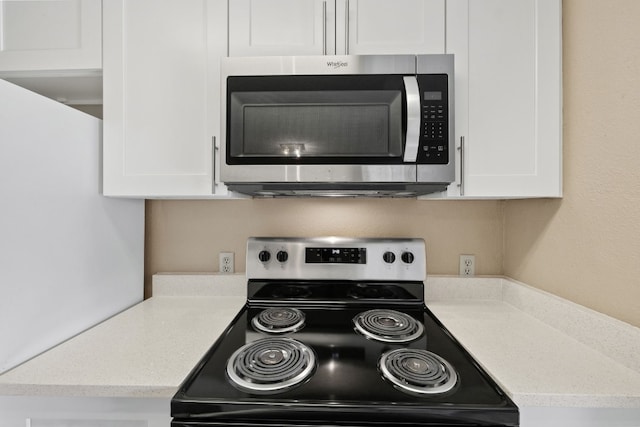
{"x":335,"y":332}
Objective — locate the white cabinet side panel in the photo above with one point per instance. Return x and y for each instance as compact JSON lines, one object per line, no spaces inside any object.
{"x":69,"y":258}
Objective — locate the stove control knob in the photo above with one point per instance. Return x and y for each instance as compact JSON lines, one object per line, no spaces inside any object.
{"x":282,"y":256}
{"x":264,"y":255}
{"x":389,"y":257}
{"x":407,"y":257}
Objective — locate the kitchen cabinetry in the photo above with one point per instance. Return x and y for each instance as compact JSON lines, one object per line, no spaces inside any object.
{"x":50,"y":35}
{"x":335,"y":27}
{"x":37,"y":411}
{"x":162,"y":89}
{"x":508,"y":97}
{"x":161,"y":103}
{"x":53,"y":48}
{"x":281,"y":27}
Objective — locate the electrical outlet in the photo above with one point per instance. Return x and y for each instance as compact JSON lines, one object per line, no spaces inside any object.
{"x":467,"y":265}
{"x":226,"y":262}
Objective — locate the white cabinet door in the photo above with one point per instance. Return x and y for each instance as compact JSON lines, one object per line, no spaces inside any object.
{"x":317,"y":27}
{"x":40,"y":411}
{"x":281,"y":27}
{"x":50,"y":35}
{"x":508,"y":96}
{"x":81,"y":422}
{"x":161,"y":90}
{"x":390,"y":26}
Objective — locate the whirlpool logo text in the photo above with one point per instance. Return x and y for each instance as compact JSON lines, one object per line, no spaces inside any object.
{"x":337,"y":64}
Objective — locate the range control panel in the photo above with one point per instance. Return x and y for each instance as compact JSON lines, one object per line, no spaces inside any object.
{"x":336,"y":255}
{"x":434,"y":139}
{"x":333,"y":258}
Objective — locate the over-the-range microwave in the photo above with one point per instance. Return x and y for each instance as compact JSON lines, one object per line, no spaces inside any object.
{"x":379,"y":125}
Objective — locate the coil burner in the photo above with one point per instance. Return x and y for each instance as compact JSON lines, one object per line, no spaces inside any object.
{"x":279,"y":320}
{"x":271,"y":365}
{"x":388,"y":326}
{"x":417,"y":371}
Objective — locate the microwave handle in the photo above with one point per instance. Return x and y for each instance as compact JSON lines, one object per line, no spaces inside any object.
{"x":413,"y":119}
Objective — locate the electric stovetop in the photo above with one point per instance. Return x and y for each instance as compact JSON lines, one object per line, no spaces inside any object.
{"x":347,"y":338}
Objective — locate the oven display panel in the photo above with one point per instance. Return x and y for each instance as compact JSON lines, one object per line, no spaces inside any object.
{"x":336,"y":256}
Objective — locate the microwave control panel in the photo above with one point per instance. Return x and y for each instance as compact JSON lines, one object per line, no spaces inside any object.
{"x":434,"y":138}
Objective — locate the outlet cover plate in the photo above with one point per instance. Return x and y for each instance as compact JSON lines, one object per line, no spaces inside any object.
{"x":467,"y":265}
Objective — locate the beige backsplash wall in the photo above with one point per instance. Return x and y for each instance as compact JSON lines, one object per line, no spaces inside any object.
{"x":586,"y":247}
{"x":186,"y":236}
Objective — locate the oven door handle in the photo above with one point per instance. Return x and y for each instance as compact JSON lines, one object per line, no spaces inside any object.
{"x":413,"y":119}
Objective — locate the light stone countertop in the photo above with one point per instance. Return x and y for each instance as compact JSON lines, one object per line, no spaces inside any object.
{"x":149,"y":349}
{"x":536,"y":364}
{"x":543,"y":350}
{"x":145,"y":351}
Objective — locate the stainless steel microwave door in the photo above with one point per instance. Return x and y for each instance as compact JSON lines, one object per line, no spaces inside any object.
{"x":371,"y":125}
{"x":339,"y":124}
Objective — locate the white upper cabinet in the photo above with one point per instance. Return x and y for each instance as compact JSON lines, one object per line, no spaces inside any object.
{"x":50,"y":35}
{"x":391,"y":27}
{"x":271,"y":27}
{"x":330,"y":27}
{"x":161,"y":100}
{"x":508,"y":97}
{"x":53,"y":48}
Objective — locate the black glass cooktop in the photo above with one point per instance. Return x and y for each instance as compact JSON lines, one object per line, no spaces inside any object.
{"x":285,"y":292}
{"x":346,"y":385}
